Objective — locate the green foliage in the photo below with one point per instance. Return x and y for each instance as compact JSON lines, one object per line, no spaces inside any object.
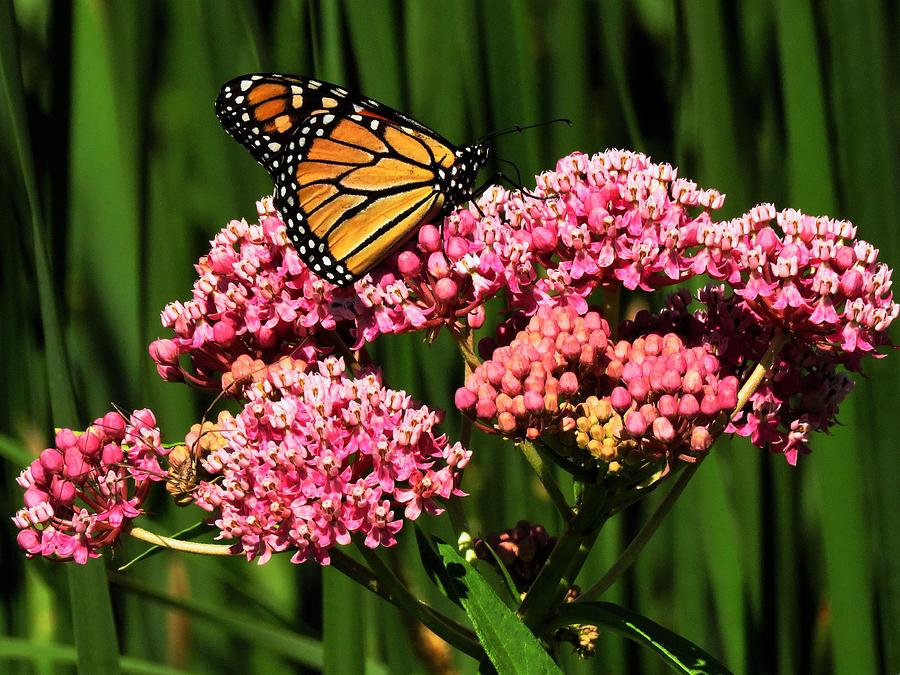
{"x":114,"y":174}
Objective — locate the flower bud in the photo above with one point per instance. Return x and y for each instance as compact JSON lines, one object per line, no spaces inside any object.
{"x":635,"y":423}
{"x":464,"y":399}
{"x":446,"y":289}
{"x":52,"y":460}
{"x":409,"y":264}
{"x":429,"y":238}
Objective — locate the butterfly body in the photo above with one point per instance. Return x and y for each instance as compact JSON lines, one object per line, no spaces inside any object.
{"x":354,"y":178}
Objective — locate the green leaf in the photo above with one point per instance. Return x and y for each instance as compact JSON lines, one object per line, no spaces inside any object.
{"x":682,"y":655}
{"x":511,"y":647}
{"x":434,"y":565}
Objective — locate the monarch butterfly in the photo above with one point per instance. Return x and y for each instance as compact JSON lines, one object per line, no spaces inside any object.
{"x":353,"y":177}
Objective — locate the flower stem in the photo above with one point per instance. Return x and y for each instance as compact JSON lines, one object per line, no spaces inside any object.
{"x":629,"y":555}
{"x":399,"y":595}
{"x":454,"y":505}
{"x":565,"y":561}
{"x":466,"y":346}
{"x":546,"y":477}
{"x":179,"y":544}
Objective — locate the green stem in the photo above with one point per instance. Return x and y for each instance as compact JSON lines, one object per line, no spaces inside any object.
{"x":546,"y":477}
{"x":179,"y":544}
{"x":629,"y":555}
{"x":454,"y":505}
{"x":398,"y":594}
{"x":565,"y":561}
{"x":465,"y":343}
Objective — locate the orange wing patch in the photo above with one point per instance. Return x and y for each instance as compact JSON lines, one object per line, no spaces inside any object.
{"x":442,"y":154}
{"x":361,"y":250}
{"x":387,"y":172}
{"x":407,"y":146}
{"x":352,"y":133}
{"x":270,"y":109}
{"x":263,"y":92}
{"x":323,"y":219}
{"x":379,"y":214}
{"x":314,"y":172}
{"x":312,"y":196}
{"x":325,"y":150}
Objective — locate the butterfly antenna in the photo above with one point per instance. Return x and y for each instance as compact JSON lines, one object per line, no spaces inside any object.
{"x":518,"y":128}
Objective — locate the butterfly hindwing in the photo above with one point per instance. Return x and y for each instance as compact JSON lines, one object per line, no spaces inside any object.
{"x":353,"y":188}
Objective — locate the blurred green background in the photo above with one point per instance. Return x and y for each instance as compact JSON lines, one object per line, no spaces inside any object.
{"x":115,"y":173}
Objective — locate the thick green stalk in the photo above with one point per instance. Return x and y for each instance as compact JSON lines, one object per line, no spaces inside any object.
{"x":566,"y":559}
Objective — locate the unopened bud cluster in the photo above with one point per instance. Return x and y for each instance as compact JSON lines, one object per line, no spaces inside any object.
{"x":650,"y":398}
{"x":528,"y":385}
{"x":523,"y":550}
{"x":665,"y":399}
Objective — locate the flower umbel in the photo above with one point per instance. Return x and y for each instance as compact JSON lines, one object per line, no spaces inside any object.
{"x":81,"y":494}
{"x":317,"y":455}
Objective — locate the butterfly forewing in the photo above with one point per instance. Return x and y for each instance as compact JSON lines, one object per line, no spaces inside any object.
{"x":353,"y":177}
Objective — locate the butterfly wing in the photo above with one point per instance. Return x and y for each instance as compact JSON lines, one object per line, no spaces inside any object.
{"x":353,"y":177}
{"x":354,"y":188}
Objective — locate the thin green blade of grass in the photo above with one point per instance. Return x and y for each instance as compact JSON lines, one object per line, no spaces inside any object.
{"x":30,"y":651}
{"x":375,"y":41}
{"x":863,"y":64}
{"x":811,"y":184}
{"x":92,"y":619}
{"x":104,"y":220}
{"x":716,"y":143}
{"x":340,"y":597}
{"x":615,"y":45}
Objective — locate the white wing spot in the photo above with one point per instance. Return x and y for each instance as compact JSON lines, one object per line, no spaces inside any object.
{"x":257,"y":77}
{"x":296,"y":90}
{"x":373,"y":124}
{"x":246,"y":84}
{"x":274,"y":147}
{"x":319,"y":132}
{"x":327,"y":119}
{"x":238,"y":99}
{"x":245,"y":117}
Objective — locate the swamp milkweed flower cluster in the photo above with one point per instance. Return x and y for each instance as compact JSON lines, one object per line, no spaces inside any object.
{"x":316,"y":456}
{"x":84,"y":491}
{"x":323,"y":450}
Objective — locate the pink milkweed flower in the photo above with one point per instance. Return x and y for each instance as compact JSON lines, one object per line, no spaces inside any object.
{"x":83,"y":493}
{"x":318,"y":455}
